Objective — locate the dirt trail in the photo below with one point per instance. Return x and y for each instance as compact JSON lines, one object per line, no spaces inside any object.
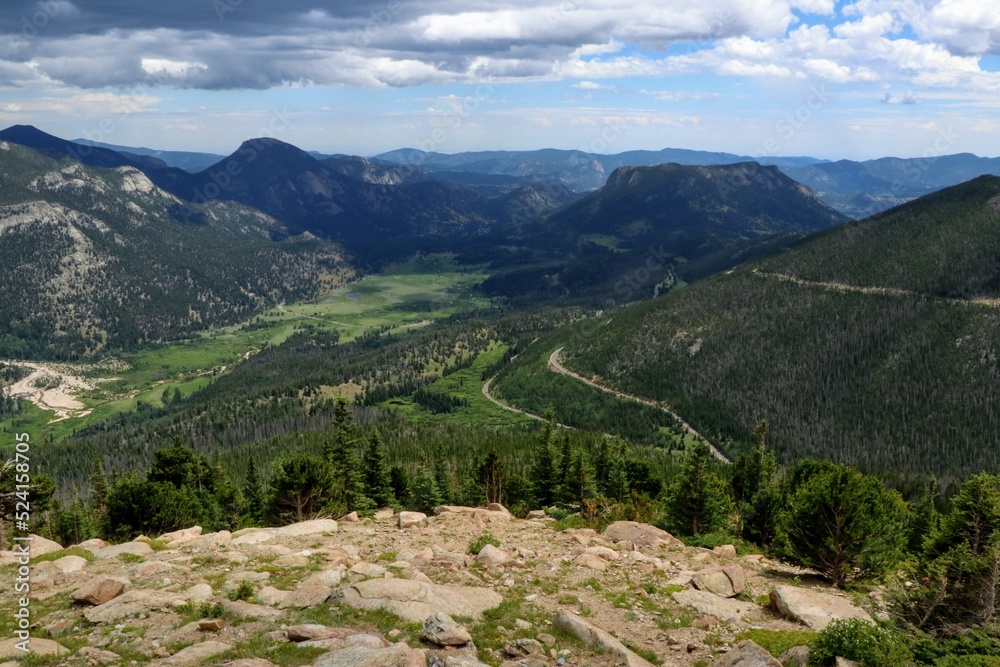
{"x":60,"y":399}
{"x":556,"y":366}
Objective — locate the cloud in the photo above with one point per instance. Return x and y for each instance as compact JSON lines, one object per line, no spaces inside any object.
{"x":909,"y":97}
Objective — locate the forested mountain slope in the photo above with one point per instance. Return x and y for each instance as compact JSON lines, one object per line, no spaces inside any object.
{"x":94,"y":258}
{"x":873,"y":343}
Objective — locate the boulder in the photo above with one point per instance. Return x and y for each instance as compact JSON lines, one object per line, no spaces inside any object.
{"x":292,"y":560}
{"x":70,"y":564}
{"x":441,"y":629}
{"x":385,"y":513}
{"x":709,"y":604}
{"x":97,"y":656}
{"x":93,"y":545}
{"x":211,"y":624}
{"x":252,"y":536}
{"x":198,"y":593}
{"x":313,"y":527}
{"x":180,"y":536}
{"x":797,"y":656}
{"x":491,"y":556}
{"x":725,"y":551}
{"x":101,"y":589}
{"x":414,"y":601}
{"x":350,"y":518}
{"x":360,"y":656}
{"x":363,"y":569}
{"x":603,"y":552}
{"x":128,"y":604}
{"x":592,"y":562}
{"x":522,"y":648}
{"x":134,"y":548}
{"x":727,"y":581}
{"x":593,"y":636}
{"x":193,"y":655}
{"x":641,"y":534}
{"x":747,"y":654}
{"x":249,"y":610}
{"x":410,"y":519}
{"x":38,"y":646}
{"x":813,"y":609}
{"x":310,"y":632}
{"x":41,"y":546}
{"x":497,"y":507}
{"x":310,"y":593}
{"x":270,"y":595}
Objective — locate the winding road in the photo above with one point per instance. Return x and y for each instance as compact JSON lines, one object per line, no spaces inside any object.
{"x":509,"y":408}
{"x":556,"y":366}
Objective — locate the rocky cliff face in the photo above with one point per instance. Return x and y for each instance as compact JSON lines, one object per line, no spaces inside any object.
{"x":370,"y":592}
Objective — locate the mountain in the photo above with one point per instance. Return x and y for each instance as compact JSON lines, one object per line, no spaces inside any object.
{"x":874,"y":342}
{"x":95,"y":156}
{"x":186,"y":160}
{"x":94,"y":258}
{"x":672,"y":219}
{"x":859,"y":189}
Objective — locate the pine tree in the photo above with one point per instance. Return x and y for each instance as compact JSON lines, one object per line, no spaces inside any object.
{"x":755,"y":489}
{"x":341,"y":453}
{"x":425,"y":493}
{"x":493,"y":478}
{"x":98,"y":487}
{"x":400,"y":484}
{"x":582,"y":476}
{"x":543,"y":474}
{"x":378,"y":477}
{"x":698,"y":501}
{"x":565,"y":465}
{"x":253,"y":492}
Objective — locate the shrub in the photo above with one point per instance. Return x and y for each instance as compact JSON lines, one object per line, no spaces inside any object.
{"x":859,"y":640}
{"x":477,"y":544}
{"x":244,"y":591}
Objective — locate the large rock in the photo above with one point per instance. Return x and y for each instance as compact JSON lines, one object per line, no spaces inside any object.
{"x":251,"y":537}
{"x":414,"y":601}
{"x":313,"y":527}
{"x":591,"y":635}
{"x":101,"y":589}
{"x":410,"y":519}
{"x":36,"y":646}
{"x":309,"y":632}
{"x":813,"y":609}
{"x":134,"y":548}
{"x":491,"y":556}
{"x":243,"y":609}
{"x":70,"y":564}
{"x":641,"y":534}
{"x":130,"y":603}
{"x":92,"y":545}
{"x":308,"y":594}
{"x":441,"y":629}
{"x":193,"y":655}
{"x":41,"y":546}
{"x":727,"y":581}
{"x":183,"y":535}
{"x":724,"y":609}
{"x":747,"y":654}
{"x":359,"y":656}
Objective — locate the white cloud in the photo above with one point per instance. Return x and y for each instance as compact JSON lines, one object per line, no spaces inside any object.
{"x":171,"y":68}
{"x":909,"y":97}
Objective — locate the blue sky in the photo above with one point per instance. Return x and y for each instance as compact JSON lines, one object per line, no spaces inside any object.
{"x":856,"y":79}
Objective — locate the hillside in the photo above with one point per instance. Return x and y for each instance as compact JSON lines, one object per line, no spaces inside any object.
{"x":650,"y":225}
{"x":94,"y":258}
{"x":873,"y":343}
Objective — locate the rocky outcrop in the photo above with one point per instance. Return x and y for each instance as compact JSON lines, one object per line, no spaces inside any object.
{"x":727,"y":581}
{"x":593,"y":636}
{"x":141,"y":549}
{"x":640,"y":534}
{"x":747,"y":654}
{"x":724,"y":609}
{"x":414,"y":601}
{"x":442,"y":630}
{"x":410,"y":519}
{"x":813,"y":609}
{"x":38,"y":646}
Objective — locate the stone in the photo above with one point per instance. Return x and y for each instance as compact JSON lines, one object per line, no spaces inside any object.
{"x":134,"y":548}
{"x":385,"y":513}
{"x":198,"y":593}
{"x":303,"y":528}
{"x":497,"y":507}
{"x":181,"y":536}
{"x":360,"y":656}
{"x":310,"y":632}
{"x":441,"y":629}
{"x":844,"y":662}
{"x":709,"y":604}
{"x":522,"y":648}
{"x":92,"y":545}
{"x":593,"y":636}
{"x":705,"y":622}
{"x":292,"y":560}
{"x":272,"y":596}
{"x":95,"y":655}
{"x":414,"y":601}
{"x":41,"y":546}
{"x":36,"y":645}
{"x":813,"y":609}
{"x":727,"y":581}
{"x":249,"y":610}
{"x":70,"y":564}
{"x":255,"y":536}
{"x":491,"y":556}
{"x":364,"y":569}
{"x":592,"y":562}
{"x":547,"y":639}
{"x":308,"y":594}
{"x":193,"y":655}
{"x":350,"y":518}
{"x":211,"y":624}
{"x":130,"y":603}
{"x":747,"y":654}
{"x":101,"y":589}
{"x":410,"y":519}
{"x":249,"y":662}
{"x":725,"y":551}
{"x":602,"y":552}
{"x":641,"y":534}
{"x":797,"y":656}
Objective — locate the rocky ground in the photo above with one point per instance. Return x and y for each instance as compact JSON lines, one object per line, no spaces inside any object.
{"x":404,"y":590}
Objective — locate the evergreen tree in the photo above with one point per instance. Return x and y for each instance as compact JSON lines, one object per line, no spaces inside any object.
{"x":253,"y":492}
{"x":926,"y":523}
{"x":299,"y":488}
{"x":842,"y":523}
{"x":582,"y":475}
{"x":425,"y":494}
{"x":98,"y":487}
{"x":543,"y":474}
{"x":400,"y":484}
{"x":348,"y":479}
{"x":565,"y":465}
{"x":755,"y":489}
{"x":378,"y":477}
{"x":698,"y":500}
{"x":493,"y":478}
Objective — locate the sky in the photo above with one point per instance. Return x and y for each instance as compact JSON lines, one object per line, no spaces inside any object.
{"x":856,"y":79}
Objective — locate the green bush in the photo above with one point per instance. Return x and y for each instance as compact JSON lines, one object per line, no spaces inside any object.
{"x":855,"y":639}
{"x":776,"y":642}
{"x":968,"y":661}
{"x":244,"y":591}
{"x":477,"y":544}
